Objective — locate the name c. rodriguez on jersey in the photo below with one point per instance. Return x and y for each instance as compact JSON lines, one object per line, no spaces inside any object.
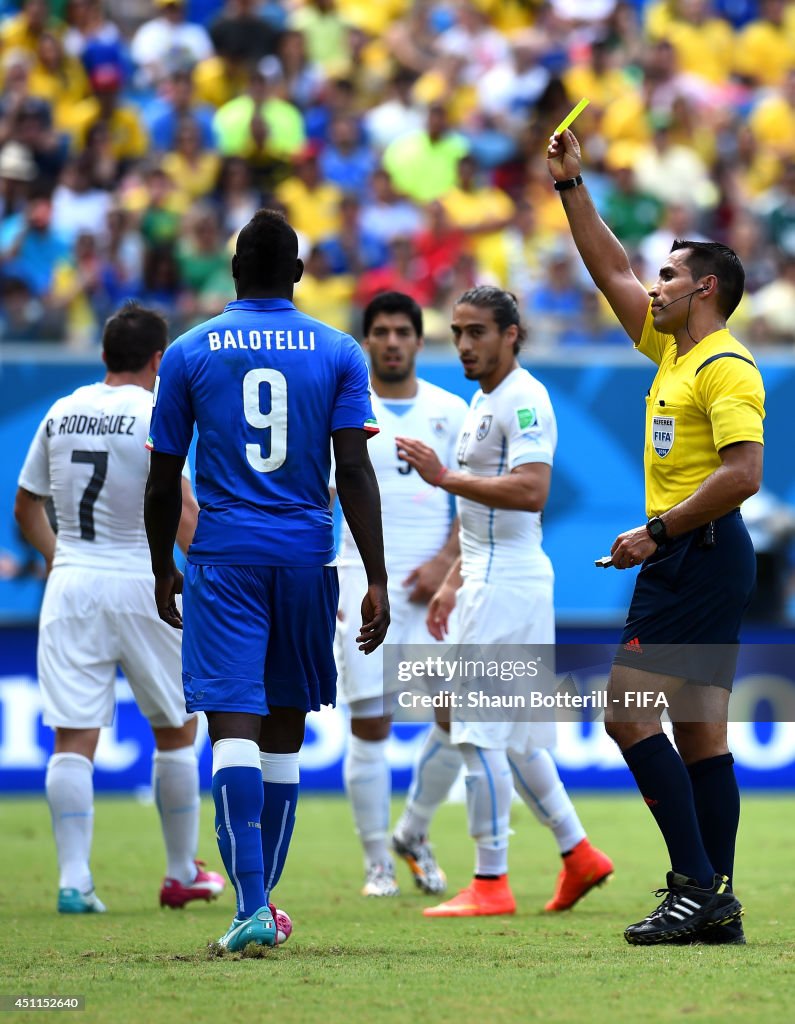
{"x":254,"y":340}
{"x":99,"y":426}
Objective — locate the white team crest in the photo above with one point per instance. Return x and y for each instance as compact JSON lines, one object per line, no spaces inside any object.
{"x":662,"y":434}
{"x":438,"y":425}
{"x":483,"y":427}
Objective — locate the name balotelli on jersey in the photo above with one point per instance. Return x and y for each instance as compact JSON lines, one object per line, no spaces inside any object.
{"x":278,"y":341}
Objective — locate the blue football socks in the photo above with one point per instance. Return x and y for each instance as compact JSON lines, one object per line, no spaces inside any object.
{"x":237,"y":792}
{"x":280,"y":776}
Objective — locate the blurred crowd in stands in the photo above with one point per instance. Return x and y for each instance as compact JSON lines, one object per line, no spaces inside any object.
{"x":404,"y":139}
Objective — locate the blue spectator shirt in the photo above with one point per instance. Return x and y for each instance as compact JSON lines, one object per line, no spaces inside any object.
{"x":37,"y":257}
{"x":162,"y":121}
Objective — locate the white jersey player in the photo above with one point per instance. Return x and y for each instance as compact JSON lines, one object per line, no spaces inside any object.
{"x":420,"y":544}
{"x":89,"y":457}
{"x":505,"y":455}
{"x":416,"y":522}
{"x":509,"y":427}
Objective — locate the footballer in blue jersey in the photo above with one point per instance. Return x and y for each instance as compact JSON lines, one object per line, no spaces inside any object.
{"x":269,"y":390}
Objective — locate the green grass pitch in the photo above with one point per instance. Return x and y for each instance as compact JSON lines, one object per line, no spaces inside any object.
{"x":352,"y":959}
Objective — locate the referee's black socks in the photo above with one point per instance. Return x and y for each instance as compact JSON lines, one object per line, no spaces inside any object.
{"x":717,"y":800}
{"x":664,"y":783}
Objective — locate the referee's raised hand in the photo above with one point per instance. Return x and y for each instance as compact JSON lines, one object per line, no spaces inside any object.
{"x":563,"y":156}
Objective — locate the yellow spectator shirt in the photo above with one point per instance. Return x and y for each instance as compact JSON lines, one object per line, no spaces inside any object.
{"x":474,"y":209}
{"x":285,"y":127}
{"x":312,"y":212}
{"x":773,"y":125}
{"x":626,"y":120}
{"x":696,"y":405}
{"x":374,"y":19}
{"x":582,"y":80}
{"x":510,"y":16}
{"x":327,"y":299}
{"x":705,"y":50}
{"x":326,"y":37}
{"x":216,"y":81}
{"x":128,"y":137}
{"x":61,"y":90}
{"x":196,"y":178}
{"x":15,"y":33}
{"x":422,"y":169}
{"x":764,"y":52}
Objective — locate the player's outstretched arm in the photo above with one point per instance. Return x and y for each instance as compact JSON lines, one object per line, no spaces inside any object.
{"x":29,"y":512}
{"x":357,"y":490}
{"x":524,"y":489}
{"x":162,"y":511}
{"x":602,"y":253}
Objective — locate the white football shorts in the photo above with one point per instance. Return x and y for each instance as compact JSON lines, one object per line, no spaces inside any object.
{"x":512,"y":614}
{"x":91,"y":622}
{"x":360,"y":677}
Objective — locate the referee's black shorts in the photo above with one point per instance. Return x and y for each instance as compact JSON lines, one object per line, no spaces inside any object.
{"x":689,"y":599}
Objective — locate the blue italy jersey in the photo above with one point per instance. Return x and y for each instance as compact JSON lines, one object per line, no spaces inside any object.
{"x":265,"y":386}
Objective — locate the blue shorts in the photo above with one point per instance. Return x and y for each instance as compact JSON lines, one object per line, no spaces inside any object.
{"x":689,"y":600}
{"x":259,"y":636}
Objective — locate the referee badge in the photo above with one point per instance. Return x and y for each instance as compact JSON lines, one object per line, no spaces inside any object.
{"x":483,"y":427}
{"x":662,"y":434}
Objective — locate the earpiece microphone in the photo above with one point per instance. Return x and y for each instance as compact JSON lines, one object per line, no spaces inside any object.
{"x":687,"y":295}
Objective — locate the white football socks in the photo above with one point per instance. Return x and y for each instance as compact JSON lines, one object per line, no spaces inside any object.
{"x":489,"y":792}
{"x":538,"y":784}
{"x":368,"y":783}
{"x":284,"y":769}
{"x":435,"y":770}
{"x":175,"y":783}
{"x":70,"y":794}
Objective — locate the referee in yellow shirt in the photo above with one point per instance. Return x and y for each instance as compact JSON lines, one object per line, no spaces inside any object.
{"x":703,"y":458}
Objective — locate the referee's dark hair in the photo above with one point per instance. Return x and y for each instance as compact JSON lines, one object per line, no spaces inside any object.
{"x":392,"y":302}
{"x":266,"y":254}
{"x":131,"y":337}
{"x":504,"y":306}
{"x":715,"y":258}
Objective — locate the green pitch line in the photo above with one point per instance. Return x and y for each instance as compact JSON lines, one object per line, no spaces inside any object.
{"x":351,"y":959}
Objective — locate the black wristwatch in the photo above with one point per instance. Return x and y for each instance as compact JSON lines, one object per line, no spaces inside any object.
{"x":657,"y":531}
{"x":567,"y":183}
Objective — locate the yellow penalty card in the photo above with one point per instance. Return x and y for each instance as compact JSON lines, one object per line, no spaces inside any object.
{"x":569,"y":118}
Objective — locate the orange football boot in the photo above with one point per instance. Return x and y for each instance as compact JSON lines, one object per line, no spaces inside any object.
{"x":482,"y":897}
{"x":584,"y":868}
